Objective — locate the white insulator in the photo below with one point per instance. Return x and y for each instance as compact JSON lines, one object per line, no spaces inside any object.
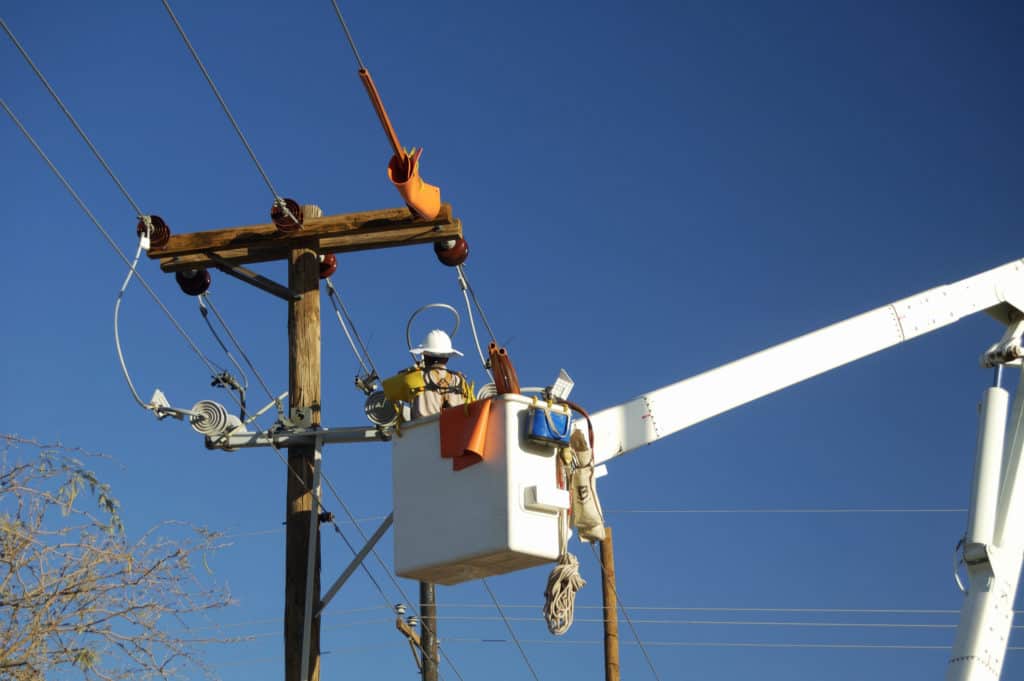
{"x":212,"y":419}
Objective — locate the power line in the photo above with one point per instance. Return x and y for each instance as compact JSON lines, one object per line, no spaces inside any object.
{"x":319,"y":503}
{"x":745,"y":623}
{"x":722,"y":644}
{"x":224,"y":105}
{"x":241,"y":351}
{"x":387,"y":570}
{"x":784,"y":510}
{"x":109,"y":239}
{"x":872,"y":611}
{"x":625,"y":613}
{"x":511,"y":632}
{"x":348,"y":35}
{"x":60,"y":103}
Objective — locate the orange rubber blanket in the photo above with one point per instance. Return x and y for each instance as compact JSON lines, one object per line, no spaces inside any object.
{"x":464,"y":433}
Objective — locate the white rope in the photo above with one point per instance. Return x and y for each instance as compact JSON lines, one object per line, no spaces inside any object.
{"x":560,"y":594}
{"x":564,"y":580}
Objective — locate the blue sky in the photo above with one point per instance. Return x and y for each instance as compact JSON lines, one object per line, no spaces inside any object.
{"x":649,"y":190}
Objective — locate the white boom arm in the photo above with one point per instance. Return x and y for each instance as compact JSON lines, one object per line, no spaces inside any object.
{"x":993,"y":545}
{"x":667,"y":410}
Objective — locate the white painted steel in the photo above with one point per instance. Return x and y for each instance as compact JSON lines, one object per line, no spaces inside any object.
{"x":981,"y":521}
{"x":667,"y":410}
{"x":993,"y":571}
{"x":1010,"y":514}
{"x":453,"y":526}
{"x":986,"y":618}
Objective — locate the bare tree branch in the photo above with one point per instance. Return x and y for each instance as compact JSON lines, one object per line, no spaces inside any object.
{"x":75,"y":592}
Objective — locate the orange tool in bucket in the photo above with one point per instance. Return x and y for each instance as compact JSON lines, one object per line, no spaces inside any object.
{"x":403,"y":170}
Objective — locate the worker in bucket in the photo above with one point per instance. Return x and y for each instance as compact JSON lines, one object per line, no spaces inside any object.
{"x":442,"y":387}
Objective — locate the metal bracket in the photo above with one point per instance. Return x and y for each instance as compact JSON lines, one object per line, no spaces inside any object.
{"x":1009,"y":349}
{"x":252,"y":278}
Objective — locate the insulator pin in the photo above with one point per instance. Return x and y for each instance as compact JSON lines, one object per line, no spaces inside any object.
{"x":161,"y":232}
{"x":193,"y":282}
{"x":328,"y":265}
{"x":282,"y":220}
{"x":452,"y":252}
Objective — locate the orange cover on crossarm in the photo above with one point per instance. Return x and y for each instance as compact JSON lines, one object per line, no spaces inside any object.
{"x":464,"y":433}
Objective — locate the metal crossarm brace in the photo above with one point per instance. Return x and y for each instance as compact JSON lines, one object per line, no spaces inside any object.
{"x":253,"y":278}
{"x":356,"y":561}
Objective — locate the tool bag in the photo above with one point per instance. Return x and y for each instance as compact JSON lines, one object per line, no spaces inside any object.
{"x":549,"y":424}
{"x":587,"y":516}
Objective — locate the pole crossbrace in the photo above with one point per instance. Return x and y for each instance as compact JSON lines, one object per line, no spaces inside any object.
{"x":355,"y":563}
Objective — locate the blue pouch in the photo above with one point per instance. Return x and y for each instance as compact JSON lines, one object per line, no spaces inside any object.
{"x":549,"y":425}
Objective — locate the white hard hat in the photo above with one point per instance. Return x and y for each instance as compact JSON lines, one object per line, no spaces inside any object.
{"x":436,"y":344}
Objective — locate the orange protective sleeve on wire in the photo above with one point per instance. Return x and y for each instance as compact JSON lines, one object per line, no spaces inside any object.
{"x":378,"y":106}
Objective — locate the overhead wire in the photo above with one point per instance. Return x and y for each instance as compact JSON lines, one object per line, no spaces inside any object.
{"x":721,"y":644}
{"x":319,"y":503}
{"x":113,"y":244}
{"x":625,"y":613}
{"x":342,"y":313}
{"x":654,"y":511}
{"x":67,"y":112}
{"x":117,"y":329}
{"x":275,"y":399}
{"x":387,"y":571}
{"x":348,"y":35}
{"x":511,"y":631}
{"x":278,"y":201}
{"x":463,"y":278}
{"x":464,"y":286}
{"x":132,"y":271}
{"x":204,"y":312}
{"x":856,"y":611}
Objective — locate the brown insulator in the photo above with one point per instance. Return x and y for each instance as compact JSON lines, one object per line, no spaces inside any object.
{"x":452,"y":252}
{"x":193,"y":282}
{"x":160,"y":234}
{"x":281,"y":219}
{"x":328,"y":265}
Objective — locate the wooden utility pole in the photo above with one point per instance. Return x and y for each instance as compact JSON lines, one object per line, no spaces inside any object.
{"x":611,"y":608}
{"x":229,"y":249}
{"x":428,"y":631}
{"x":304,"y":399}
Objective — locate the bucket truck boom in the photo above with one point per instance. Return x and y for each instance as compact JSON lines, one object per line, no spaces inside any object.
{"x":993,"y":545}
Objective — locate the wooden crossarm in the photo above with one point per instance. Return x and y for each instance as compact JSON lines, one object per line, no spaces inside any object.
{"x":329,"y":234}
